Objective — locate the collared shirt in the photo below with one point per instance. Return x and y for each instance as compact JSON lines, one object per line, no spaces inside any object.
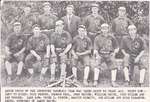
{"x":93,"y":23}
{"x":132,"y":46}
{"x":105,"y":44}
{"x":60,"y":40}
{"x":38,"y":43}
{"x":16,"y":42}
{"x":120,"y":24}
{"x":81,"y":45}
{"x":69,"y":19}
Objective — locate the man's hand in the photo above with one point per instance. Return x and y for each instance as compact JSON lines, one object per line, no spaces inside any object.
{"x":38,"y":57}
{"x":75,"y":56}
{"x":61,"y":54}
{"x":46,"y":56}
{"x":53,"y":55}
{"x":16,"y":54}
{"x":91,"y":33}
{"x":137,"y":59}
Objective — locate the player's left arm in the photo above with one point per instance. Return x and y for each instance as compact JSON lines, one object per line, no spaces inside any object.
{"x":69,"y":44}
{"x":20,"y":52}
{"x":88,"y":51}
{"x":47,"y":48}
{"x":23,"y":49}
{"x":115,"y":46}
{"x":141,"y":53}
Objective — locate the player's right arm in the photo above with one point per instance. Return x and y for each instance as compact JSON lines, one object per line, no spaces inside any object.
{"x":123,"y":47}
{"x":96,"y":47}
{"x":35,"y":54}
{"x":32,"y":51}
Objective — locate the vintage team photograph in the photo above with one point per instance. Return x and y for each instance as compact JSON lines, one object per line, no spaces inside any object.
{"x":74,"y":43}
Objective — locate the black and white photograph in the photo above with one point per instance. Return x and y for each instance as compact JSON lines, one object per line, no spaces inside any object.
{"x":74,"y":43}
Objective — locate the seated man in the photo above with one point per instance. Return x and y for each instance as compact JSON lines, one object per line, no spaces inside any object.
{"x":105,"y":48}
{"x":133,"y":49}
{"x":39,"y":48}
{"x":60,"y":46}
{"x":15,"y":47}
{"x":80,"y":51}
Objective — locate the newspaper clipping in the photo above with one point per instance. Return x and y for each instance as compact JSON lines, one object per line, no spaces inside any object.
{"x":74,"y":50}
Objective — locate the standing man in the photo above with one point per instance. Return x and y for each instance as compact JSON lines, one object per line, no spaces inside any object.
{"x":81,"y":50}
{"x":47,"y":19}
{"x":26,"y":19}
{"x":60,"y":46}
{"x":39,"y":48}
{"x":119,"y":27}
{"x":105,"y":48}
{"x":133,"y":49}
{"x":15,"y":47}
{"x":71,"y":22}
{"x":93,"y":22}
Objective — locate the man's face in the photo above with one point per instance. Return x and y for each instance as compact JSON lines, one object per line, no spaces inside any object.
{"x":95,"y":9}
{"x":36,"y":31}
{"x":59,"y":27}
{"x":17,"y":29}
{"x":47,"y":8}
{"x":122,"y":13}
{"x":105,"y":30}
{"x":82,"y":32}
{"x":27,"y":10}
{"x":69,"y":10}
{"x":132,"y":32}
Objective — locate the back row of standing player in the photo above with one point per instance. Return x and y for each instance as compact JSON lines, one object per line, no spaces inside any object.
{"x":104,"y":46}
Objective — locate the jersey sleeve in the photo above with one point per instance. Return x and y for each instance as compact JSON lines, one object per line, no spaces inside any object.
{"x":52,"y":39}
{"x":74,"y":44}
{"x":29,"y":45}
{"x":89,"y":44}
{"x":113,"y":26}
{"x":123,"y":44}
{"x":8,"y":41}
{"x":96,"y":47}
{"x":114,"y":43}
{"x":142,"y":45}
{"x":46,"y":39}
{"x":69,"y":38}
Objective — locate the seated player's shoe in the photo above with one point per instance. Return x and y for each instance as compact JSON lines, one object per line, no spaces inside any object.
{"x":42,"y":78}
{"x":126,"y":83}
{"x":114,"y":84}
{"x":18,"y":78}
{"x":140,"y":85}
{"x":9,"y":79}
{"x":52,"y":79}
{"x":85,"y":82}
{"x":75,"y":80}
{"x":95,"y":83}
{"x":31,"y":78}
{"x":132,"y":83}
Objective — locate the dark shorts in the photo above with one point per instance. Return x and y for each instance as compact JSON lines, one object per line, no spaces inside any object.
{"x":32,"y":62}
{"x":11,"y":58}
{"x":108,"y":59}
{"x":129,"y":62}
{"x":84,"y":59}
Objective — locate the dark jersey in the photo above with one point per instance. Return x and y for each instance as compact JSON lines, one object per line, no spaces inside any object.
{"x":105,"y":44}
{"x":38,"y":44}
{"x":16,"y":42}
{"x":60,"y":40}
{"x":133,"y":47}
{"x":81,"y":45}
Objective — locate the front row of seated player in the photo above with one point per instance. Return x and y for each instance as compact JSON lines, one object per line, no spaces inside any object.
{"x":49,"y":50}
